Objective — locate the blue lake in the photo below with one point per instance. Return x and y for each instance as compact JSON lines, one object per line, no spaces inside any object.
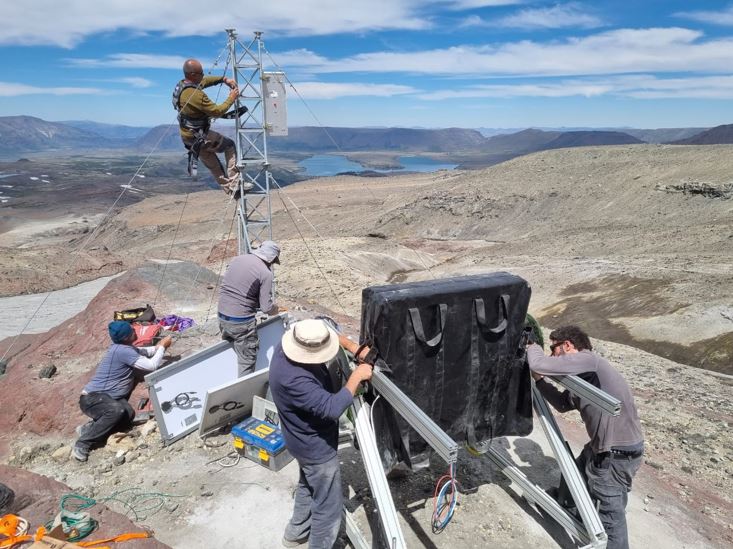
{"x":332,"y":164}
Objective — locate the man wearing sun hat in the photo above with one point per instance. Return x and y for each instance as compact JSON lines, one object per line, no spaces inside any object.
{"x":309,"y":407}
{"x":246,"y":288}
{"x":104,"y":398}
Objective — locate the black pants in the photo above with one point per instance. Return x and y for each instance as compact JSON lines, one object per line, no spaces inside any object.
{"x":107,"y":413}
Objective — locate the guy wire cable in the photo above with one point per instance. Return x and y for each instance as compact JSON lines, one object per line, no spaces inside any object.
{"x":212,"y":245}
{"x":221,"y":266}
{"x":313,"y":114}
{"x":170,"y":249}
{"x":139,"y":169}
{"x":77,"y":253}
{"x":163,"y":136}
{"x":315,"y":230}
{"x":313,"y":257}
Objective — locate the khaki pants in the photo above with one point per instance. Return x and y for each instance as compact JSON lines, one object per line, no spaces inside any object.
{"x":214,"y":143}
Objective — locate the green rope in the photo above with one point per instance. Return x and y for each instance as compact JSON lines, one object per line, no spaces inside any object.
{"x":75,"y":525}
{"x":531,"y":322}
{"x":137,"y":503}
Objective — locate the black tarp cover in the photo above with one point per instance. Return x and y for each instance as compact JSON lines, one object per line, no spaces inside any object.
{"x":453,"y":347}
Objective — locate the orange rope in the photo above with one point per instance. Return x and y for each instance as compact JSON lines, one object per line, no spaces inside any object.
{"x":120,"y":538}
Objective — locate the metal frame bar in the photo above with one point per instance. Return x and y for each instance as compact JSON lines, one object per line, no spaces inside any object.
{"x":590,"y":530}
{"x":353,"y":532}
{"x":573,"y":478}
{"x":538,"y":495}
{"x":581,"y":388}
{"x":375,"y":475}
{"x":250,"y":136}
{"x":444,"y":445}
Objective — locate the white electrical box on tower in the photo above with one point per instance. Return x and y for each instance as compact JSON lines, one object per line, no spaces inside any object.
{"x":263,"y":95}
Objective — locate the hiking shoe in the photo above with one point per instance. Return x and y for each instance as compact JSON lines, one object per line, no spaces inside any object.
{"x":294,"y":542}
{"x":81,"y":429}
{"x":80,"y":453}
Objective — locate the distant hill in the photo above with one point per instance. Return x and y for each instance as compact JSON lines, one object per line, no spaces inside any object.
{"x":160,"y":138}
{"x":27,"y":134}
{"x":529,"y":140}
{"x":590,"y":139}
{"x":663,"y":135}
{"x":110,"y":131}
{"x":21,"y":134}
{"x":309,"y":138}
{"x":719,"y":135}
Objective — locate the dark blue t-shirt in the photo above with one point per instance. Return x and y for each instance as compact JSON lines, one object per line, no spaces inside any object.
{"x":309,"y":407}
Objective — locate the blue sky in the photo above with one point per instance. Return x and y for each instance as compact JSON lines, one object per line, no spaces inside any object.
{"x":427,"y":63}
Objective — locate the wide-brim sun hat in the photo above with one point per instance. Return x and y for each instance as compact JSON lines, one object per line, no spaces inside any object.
{"x":310,"y":342}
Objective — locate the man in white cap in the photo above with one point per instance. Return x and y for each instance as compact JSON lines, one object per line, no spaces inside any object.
{"x":309,"y":407}
{"x":245,"y":289}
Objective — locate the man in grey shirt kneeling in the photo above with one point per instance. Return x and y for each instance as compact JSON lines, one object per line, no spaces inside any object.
{"x":613,"y":455}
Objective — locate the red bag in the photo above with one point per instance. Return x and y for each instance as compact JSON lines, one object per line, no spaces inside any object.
{"x":145,"y":333}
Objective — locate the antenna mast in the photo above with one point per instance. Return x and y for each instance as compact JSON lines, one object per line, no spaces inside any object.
{"x":263,"y":93}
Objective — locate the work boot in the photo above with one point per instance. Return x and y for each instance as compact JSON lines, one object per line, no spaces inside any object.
{"x":80,"y":453}
{"x":294,"y":542}
{"x":245,"y":185}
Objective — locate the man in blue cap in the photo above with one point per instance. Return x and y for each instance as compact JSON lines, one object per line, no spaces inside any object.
{"x":104,"y":398}
{"x":246,"y":288}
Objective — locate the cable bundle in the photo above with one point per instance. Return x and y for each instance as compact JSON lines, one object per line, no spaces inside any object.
{"x":445,"y":499}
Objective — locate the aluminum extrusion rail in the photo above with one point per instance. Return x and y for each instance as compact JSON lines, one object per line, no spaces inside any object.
{"x":591,"y":521}
{"x":353,"y":533}
{"x":375,"y":474}
{"x":534,"y":493}
{"x":445,"y":446}
{"x":579,"y":387}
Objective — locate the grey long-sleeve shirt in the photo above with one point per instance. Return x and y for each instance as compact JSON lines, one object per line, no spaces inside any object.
{"x":604,"y":430}
{"x":115,"y":373}
{"x":246,"y":287}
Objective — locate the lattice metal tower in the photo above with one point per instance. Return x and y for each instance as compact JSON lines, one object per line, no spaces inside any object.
{"x":252,"y":128}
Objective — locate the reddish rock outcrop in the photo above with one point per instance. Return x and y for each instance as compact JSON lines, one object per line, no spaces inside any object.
{"x":37,"y":500}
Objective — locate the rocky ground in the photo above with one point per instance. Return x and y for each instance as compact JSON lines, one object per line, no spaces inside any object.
{"x":630,"y":242}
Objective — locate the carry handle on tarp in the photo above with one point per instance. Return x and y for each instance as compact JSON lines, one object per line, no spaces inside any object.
{"x":503,"y":314}
{"x":420,"y":333}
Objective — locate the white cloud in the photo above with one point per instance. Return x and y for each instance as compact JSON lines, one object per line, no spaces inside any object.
{"x":556,"y":17}
{"x":612,"y":52}
{"x":299,"y":58}
{"x":67,"y":23}
{"x":14,"y":89}
{"x":130,"y":61}
{"x":136,"y":82}
{"x":635,"y":86}
{"x":332,"y":90}
{"x":472,"y":4}
{"x":722,"y":17}
{"x":558,"y":89}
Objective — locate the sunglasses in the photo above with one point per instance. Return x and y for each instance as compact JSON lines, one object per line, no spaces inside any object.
{"x":555,"y":346}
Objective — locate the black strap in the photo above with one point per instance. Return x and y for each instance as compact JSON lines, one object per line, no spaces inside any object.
{"x":234,"y":113}
{"x":418,"y":328}
{"x":503,"y":314}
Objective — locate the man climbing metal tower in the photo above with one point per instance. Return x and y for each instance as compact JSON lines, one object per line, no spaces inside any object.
{"x":195,"y":111}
